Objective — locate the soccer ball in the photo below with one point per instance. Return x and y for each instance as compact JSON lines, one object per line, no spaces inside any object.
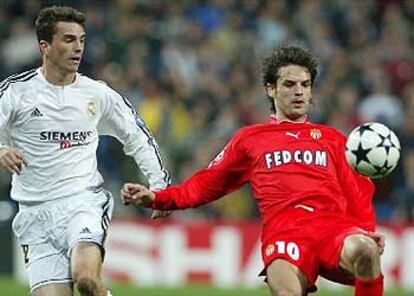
{"x":373,"y":150}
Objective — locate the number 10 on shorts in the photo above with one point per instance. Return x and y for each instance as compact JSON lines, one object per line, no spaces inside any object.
{"x":281,"y":247}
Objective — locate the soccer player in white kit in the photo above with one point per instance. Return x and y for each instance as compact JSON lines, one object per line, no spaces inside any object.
{"x":50,"y":119}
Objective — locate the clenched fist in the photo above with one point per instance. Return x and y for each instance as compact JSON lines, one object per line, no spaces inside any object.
{"x":141,"y":196}
{"x":12,"y":159}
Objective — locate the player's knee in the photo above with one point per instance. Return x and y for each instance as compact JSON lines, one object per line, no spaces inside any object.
{"x":361,"y":249}
{"x":285,"y":279}
{"x":86,"y":284}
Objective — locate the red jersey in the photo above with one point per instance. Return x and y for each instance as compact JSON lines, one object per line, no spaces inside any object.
{"x":288,"y":165}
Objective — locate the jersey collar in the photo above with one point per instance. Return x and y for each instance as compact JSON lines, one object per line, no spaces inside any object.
{"x":43,"y":78}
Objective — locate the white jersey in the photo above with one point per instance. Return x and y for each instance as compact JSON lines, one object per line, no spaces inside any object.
{"x":57,"y":128}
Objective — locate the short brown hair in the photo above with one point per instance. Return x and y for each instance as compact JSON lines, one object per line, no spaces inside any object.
{"x":285,"y":56}
{"x":48,"y":18}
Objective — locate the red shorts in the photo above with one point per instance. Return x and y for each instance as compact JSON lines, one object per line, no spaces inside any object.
{"x":311,"y":241}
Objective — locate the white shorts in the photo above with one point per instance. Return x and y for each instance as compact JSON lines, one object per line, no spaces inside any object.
{"x":48,"y":231}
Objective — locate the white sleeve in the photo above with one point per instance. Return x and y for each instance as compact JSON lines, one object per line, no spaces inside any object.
{"x":120,"y":120}
{"x":5,"y":114}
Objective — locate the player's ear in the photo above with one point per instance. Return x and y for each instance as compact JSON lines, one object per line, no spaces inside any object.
{"x":270,"y":89}
{"x":44,"y":47}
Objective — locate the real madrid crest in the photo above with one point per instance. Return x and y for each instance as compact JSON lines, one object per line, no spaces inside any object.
{"x":315,"y":133}
{"x":91,"y":109}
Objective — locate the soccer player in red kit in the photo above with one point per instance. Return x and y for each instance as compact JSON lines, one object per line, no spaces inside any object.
{"x":316,"y":212}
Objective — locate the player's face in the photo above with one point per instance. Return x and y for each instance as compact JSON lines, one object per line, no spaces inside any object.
{"x":67,"y":46}
{"x":292,"y":92}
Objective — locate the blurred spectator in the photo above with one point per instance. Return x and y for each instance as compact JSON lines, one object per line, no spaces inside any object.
{"x":343,"y":114}
{"x":20,"y":49}
{"x":379,"y":104}
{"x":404,"y":193}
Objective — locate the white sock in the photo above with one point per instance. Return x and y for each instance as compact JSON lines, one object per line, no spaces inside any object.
{"x":109,"y":293}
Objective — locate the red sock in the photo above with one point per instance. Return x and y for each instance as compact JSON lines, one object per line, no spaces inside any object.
{"x":372,"y":287}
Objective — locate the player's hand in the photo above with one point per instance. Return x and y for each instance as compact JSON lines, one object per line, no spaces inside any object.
{"x":12,"y":159}
{"x":160,"y":214}
{"x":126,"y":192}
{"x":379,"y":239}
{"x":137,"y":194}
{"x":127,"y":197}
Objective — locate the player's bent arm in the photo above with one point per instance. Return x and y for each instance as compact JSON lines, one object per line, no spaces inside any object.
{"x":121,"y":121}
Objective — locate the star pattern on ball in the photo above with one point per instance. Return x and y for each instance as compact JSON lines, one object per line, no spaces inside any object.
{"x":361,"y":154}
{"x":375,"y":150}
{"x":363,"y":128}
{"x":384,"y":169}
{"x":386,"y":142}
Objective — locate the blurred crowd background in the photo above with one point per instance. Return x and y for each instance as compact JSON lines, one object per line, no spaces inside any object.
{"x":193,"y":71}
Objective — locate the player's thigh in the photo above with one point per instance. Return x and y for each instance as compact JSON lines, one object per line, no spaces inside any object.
{"x":331,"y":254}
{"x":86,"y":260}
{"x":89,"y":219}
{"x":61,"y":289}
{"x":284,"y":277}
{"x":87,"y":233}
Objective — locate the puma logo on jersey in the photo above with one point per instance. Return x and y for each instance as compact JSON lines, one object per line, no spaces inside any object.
{"x":307,"y":157}
{"x":296,"y":136}
{"x":36,"y":113}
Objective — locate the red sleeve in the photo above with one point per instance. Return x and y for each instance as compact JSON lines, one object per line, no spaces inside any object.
{"x":362,"y":208}
{"x":358,"y":190}
{"x":227,"y":172}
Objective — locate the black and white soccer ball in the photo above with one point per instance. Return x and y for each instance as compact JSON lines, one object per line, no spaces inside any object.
{"x":373,"y":150}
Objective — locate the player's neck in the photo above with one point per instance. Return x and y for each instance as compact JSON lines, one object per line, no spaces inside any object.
{"x":56,"y":76}
{"x":282,"y":118}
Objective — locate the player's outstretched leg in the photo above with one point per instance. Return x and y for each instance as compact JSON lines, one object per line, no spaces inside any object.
{"x":361,"y":256}
{"x":86,"y":260}
{"x":285,"y":279}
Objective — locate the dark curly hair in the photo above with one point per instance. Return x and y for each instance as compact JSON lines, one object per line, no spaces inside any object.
{"x":48,"y":18}
{"x":285,"y":56}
